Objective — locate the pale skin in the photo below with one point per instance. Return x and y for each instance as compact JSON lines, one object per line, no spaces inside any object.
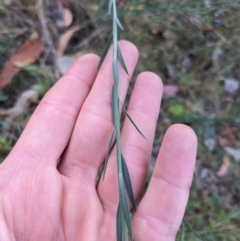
{"x":42,"y":201}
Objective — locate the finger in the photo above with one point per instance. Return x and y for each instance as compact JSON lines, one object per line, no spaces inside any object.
{"x":161,"y":210}
{"x":89,"y":141}
{"x":144,"y":110}
{"x":51,"y":125}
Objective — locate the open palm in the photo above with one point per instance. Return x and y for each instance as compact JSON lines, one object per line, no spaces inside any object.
{"x":40,"y":200}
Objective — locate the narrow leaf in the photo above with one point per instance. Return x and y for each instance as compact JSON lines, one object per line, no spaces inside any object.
{"x":105,"y":50}
{"x":110,"y":5}
{"x":119,"y":223}
{"x":121,"y":60}
{"x":119,"y":23}
{"x":64,"y":40}
{"x":183,"y":233}
{"x":128,"y":183}
{"x":124,"y":204}
{"x":129,"y":117}
{"x":9,"y":71}
{"x":125,"y":232}
{"x":192,"y":230}
{"x":107,"y":155}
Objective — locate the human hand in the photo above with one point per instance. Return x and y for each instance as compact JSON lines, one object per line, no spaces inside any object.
{"x":40,"y":200}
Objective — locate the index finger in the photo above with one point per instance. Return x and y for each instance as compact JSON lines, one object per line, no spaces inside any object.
{"x":49,"y":129}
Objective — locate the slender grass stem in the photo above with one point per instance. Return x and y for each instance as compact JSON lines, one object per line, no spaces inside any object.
{"x":116,"y":94}
{"x":124,"y":227}
{"x":115,"y":30}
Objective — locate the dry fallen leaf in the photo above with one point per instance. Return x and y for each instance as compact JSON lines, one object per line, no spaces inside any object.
{"x":64,"y":39}
{"x":9,"y":71}
{"x":223,"y":170}
{"x":27,"y":54}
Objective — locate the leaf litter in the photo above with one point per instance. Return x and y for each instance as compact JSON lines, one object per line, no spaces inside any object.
{"x":27,"y":54}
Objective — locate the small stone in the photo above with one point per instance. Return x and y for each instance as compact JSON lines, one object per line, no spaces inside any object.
{"x":217,"y":54}
{"x":64,"y":63}
{"x":204,"y":173}
{"x":231,"y":85}
{"x":234,"y":153}
{"x":186,"y":64}
{"x":210,"y":144}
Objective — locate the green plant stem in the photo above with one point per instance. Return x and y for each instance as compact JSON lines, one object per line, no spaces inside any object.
{"x":115,"y":91}
{"x":124,"y":227}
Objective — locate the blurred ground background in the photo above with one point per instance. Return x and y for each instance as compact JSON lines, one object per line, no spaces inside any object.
{"x":193,"y":45}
